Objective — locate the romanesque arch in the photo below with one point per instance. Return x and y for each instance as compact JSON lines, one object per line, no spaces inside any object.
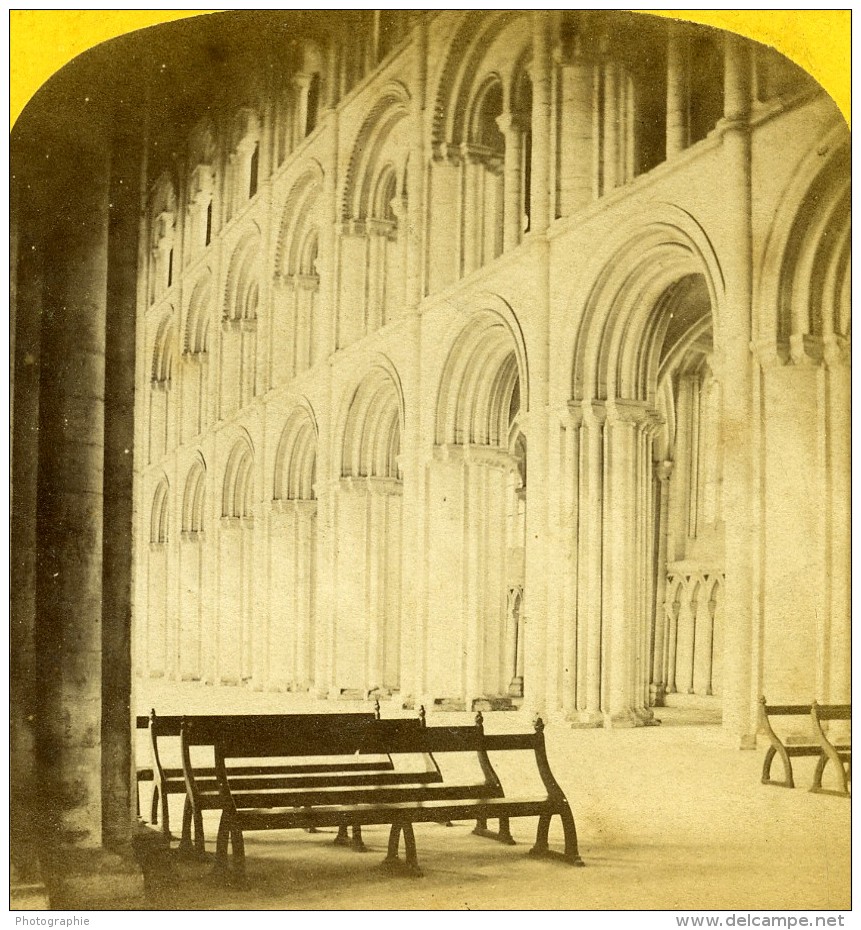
{"x":236,"y":622}
{"x":162,"y":227}
{"x":238,"y":369}
{"x":158,"y":584}
{"x":373,"y":210}
{"x":366,"y":651}
{"x":192,"y":569}
{"x":642,"y":445}
{"x":293,"y":563}
{"x":478,"y":500}
{"x":297,"y":330}
{"x":200,"y":197}
{"x":481,"y":136}
{"x":802,"y":318}
{"x":161,"y":406}
{"x":195,"y":356}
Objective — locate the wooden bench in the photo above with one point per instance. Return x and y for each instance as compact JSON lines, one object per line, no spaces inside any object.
{"x":201,"y":786}
{"x":414,"y":790}
{"x":171,"y":780}
{"x":817,"y":745}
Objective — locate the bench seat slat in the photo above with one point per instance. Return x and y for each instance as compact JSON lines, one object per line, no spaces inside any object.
{"x":430,"y":811}
{"x":246,"y":800}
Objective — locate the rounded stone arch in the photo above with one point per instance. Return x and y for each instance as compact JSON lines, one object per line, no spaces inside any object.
{"x":474,"y":35}
{"x":160,"y":513}
{"x":373,"y":424}
{"x":639,"y":278}
{"x":366,"y":159}
{"x":163,"y":350}
{"x":194,"y":496}
{"x":196,"y":335}
{"x":163,"y":196}
{"x":298,"y":214}
{"x":804,"y":280}
{"x":241,"y":292}
{"x":296,"y":456}
{"x":486,"y":364}
{"x":485,"y":104}
{"x":202,"y":143}
{"x":237,"y":498}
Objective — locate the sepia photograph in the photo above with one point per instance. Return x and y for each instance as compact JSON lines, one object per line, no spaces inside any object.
{"x":430,"y":467}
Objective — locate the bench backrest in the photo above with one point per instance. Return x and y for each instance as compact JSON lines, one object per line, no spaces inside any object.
{"x":414,"y":775}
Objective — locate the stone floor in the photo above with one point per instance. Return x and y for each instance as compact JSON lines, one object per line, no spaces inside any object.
{"x":668,"y":817}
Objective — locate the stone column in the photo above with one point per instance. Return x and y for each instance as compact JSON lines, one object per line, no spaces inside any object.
{"x":612,"y":126}
{"x":540,"y":188}
{"x":301,"y":85}
{"x":509,"y":126}
{"x":658,"y":685}
{"x":739,"y":705}
{"x":414,"y":229}
{"x":678,"y":89}
{"x":589,"y":559}
{"x":119,"y":785}
{"x":576,"y":143}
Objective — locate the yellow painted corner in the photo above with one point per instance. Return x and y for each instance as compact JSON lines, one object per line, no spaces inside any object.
{"x":42,"y":41}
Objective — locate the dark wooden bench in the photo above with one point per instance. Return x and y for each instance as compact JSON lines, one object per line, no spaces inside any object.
{"x":414,"y":790}
{"x":817,"y":744}
{"x":201,"y":786}
{"x":171,"y":780}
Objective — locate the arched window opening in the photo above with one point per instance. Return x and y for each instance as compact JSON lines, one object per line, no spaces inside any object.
{"x":208,"y":223}
{"x":159,"y":520}
{"x":255,"y":167}
{"x":484,"y":208}
{"x":194,"y":499}
{"x":706,"y":104}
{"x":313,"y":104}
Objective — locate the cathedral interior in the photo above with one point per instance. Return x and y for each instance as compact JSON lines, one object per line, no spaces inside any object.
{"x":464,"y":360}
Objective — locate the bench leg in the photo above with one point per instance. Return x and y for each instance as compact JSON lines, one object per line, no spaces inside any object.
{"x":220,"y":866}
{"x":844,"y":775}
{"x":153,"y":815}
{"x":186,"y":847}
{"x":233,"y":873}
{"x":343,"y":838}
{"x":165,"y":816}
{"x":503,"y":835}
{"x":392,"y":862}
{"x":542,"y":848}
{"x":787,"y":765}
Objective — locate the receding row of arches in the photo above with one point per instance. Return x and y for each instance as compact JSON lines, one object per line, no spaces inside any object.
{"x":418,"y":578}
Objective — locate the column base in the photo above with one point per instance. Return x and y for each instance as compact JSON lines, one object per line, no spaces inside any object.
{"x":94,"y":879}
{"x":623,"y":720}
{"x":582,"y":719}
{"x":27,"y":892}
